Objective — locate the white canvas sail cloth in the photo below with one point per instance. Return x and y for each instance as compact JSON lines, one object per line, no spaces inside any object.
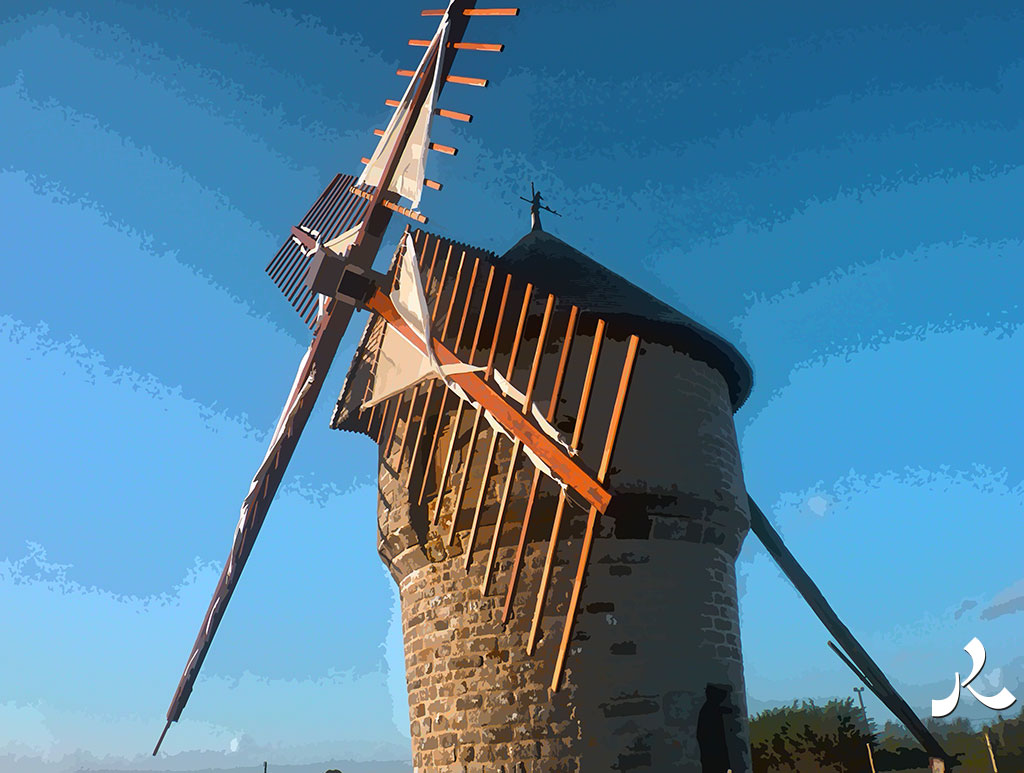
{"x":412,"y":166}
{"x":400,"y":363}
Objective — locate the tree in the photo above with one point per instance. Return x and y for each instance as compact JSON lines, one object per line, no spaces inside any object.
{"x":830,"y":738}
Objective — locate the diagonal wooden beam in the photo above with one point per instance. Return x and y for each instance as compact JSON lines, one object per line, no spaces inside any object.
{"x":588,"y":537}
{"x":556,"y":393}
{"x":876,"y":679}
{"x":581,"y":415}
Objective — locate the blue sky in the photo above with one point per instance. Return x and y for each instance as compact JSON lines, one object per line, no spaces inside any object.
{"x":835,"y":189}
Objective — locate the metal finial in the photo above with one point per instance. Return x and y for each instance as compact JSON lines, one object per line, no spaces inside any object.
{"x":535,"y":207}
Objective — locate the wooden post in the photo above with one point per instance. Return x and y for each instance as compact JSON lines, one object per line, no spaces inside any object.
{"x":581,"y":413}
{"x":871,"y":759}
{"x":443,"y":480}
{"x":513,"y":356}
{"x":517,"y":445}
{"x":991,"y":755}
{"x":588,"y":536}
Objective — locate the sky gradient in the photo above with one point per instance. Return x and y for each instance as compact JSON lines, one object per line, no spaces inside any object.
{"x":836,"y":190}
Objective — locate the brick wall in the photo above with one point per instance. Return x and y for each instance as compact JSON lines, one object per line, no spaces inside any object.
{"x":658,"y":620}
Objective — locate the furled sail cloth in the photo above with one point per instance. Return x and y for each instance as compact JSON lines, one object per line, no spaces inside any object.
{"x":400,"y":363}
{"x":412,"y":166}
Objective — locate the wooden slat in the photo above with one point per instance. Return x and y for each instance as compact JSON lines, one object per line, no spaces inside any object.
{"x":581,"y":414}
{"x":426,"y":180}
{"x":476,"y":12}
{"x":422,"y":258}
{"x":416,"y":389}
{"x":430,"y":387}
{"x":513,"y":355}
{"x":588,"y":537}
{"x":443,"y":480}
{"x":474,"y":433}
{"x":446,"y":149}
{"x":464,"y":80}
{"x":517,"y":445}
{"x":556,"y":393}
{"x":497,"y":47}
{"x":440,"y":410}
{"x":444,"y":335}
{"x":456,"y":116}
{"x":417,"y":216}
{"x":458,"y":341}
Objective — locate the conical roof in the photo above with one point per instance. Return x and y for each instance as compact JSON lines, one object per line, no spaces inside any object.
{"x":574,"y":278}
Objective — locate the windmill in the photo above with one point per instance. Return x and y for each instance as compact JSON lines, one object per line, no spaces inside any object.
{"x":561,"y":499}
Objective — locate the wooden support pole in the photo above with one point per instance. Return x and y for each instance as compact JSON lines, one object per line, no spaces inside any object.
{"x":524,"y":312}
{"x":581,"y":414}
{"x":588,"y":537}
{"x":875,"y":679}
{"x":871,"y":759}
{"x":474,"y":432}
{"x":517,"y":445}
{"x":556,"y":393}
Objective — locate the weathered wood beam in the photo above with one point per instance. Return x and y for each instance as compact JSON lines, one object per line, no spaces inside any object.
{"x":876,"y":679}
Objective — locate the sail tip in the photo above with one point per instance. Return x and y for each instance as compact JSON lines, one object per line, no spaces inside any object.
{"x":161,"y":740}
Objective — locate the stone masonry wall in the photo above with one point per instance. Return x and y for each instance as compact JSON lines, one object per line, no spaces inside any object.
{"x":658,"y":620}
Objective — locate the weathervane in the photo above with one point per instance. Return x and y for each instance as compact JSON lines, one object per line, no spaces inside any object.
{"x":535,"y":207}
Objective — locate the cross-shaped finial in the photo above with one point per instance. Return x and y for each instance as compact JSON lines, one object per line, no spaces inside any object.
{"x":535,"y":208}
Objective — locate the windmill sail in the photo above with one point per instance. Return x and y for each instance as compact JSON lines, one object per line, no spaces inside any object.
{"x":353,"y":221}
{"x":412,"y":165}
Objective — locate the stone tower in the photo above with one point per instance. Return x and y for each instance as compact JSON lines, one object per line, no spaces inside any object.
{"x":654,"y":674}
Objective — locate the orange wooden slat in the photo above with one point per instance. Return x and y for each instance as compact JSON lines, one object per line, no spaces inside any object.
{"x":476,"y":12}
{"x":474,"y":433}
{"x":581,"y":414}
{"x":556,"y":392}
{"x":443,"y":480}
{"x":467,"y":81}
{"x":524,"y":312}
{"x":463,"y":79}
{"x":455,"y":116}
{"x":497,"y":47}
{"x":588,"y":537}
{"x":430,"y":388}
{"x":416,"y":389}
{"x":517,"y":445}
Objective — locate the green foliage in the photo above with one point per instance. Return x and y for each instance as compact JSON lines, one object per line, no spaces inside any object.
{"x":897,"y":750}
{"x":805,"y":737}
{"x":832,"y":738}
